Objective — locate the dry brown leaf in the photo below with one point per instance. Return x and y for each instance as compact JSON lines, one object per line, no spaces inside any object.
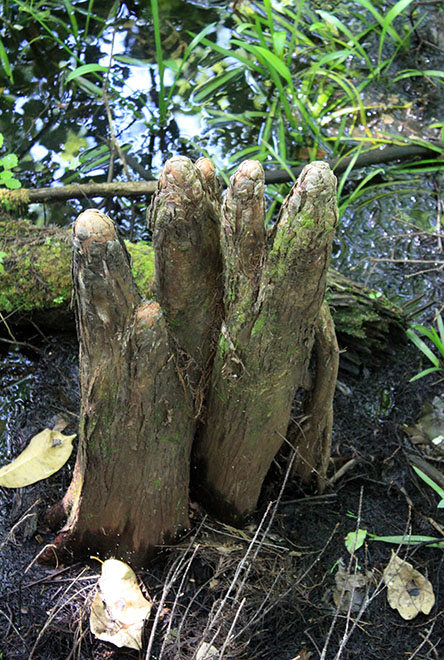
{"x":429,"y":429}
{"x":119,"y":608}
{"x":408,"y":591}
{"x":350,"y":588}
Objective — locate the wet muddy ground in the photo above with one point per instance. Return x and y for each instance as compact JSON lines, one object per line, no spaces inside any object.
{"x":267,"y":600}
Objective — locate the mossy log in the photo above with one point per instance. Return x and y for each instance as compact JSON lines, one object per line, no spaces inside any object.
{"x":36,"y":286}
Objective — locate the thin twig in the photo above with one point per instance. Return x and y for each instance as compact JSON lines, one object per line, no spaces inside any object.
{"x":424,"y":641}
{"x":341,"y":595}
{"x":61,"y":603}
{"x":171,"y":578}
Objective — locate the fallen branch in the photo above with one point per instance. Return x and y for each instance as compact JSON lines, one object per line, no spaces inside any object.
{"x":19,"y":198}
{"x":36,"y":287}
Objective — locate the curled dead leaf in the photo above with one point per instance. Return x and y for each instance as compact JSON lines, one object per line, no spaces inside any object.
{"x":119,"y":608}
{"x":350,"y":589}
{"x":408,"y":591}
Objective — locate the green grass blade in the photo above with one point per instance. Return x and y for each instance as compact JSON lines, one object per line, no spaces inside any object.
{"x":341,"y":27}
{"x":271,"y":60}
{"x":89,"y":14}
{"x":406,"y":539}
{"x":233,"y":55}
{"x":440,"y":324}
{"x":351,"y":165}
{"x":210,"y":86}
{"x":387,"y":26}
{"x":360,"y":189}
{"x":159,"y":59}
{"x":426,"y":372}
{"x":279,"y":159}
{"x":72,"y":18}
{"x":431,"y":334}
{"x":247,"y":152}
{"x":84,"y":69}
{"x":412,"y":73}
{"x":5,"y":62}
{"x":423,"y":347}
{"x":191,"y":46}
{"x":429,"y":482}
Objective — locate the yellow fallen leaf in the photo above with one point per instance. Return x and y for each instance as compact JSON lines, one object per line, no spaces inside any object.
{"x":408,"y":591}
{"x":47,"y":452}
{"x":119,"y":608}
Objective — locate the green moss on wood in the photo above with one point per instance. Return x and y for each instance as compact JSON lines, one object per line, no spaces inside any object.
{"x":142,"y":257}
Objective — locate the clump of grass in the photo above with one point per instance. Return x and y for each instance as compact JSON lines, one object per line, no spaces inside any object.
{"x":436,"y":356}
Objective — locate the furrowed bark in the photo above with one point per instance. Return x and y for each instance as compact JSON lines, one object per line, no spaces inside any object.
{"x":273,"y":293}
{"x":185,"y":218}
{"x":130,"y":489}
{"x":312,"y":437}
{"x":35,"y":287}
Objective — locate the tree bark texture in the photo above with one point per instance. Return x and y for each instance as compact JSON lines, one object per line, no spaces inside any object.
{"x":205,"y":375}
{"x":215,"y":360}
{"x":312,"y":436}
{"x":130,"y":490}
{"x":274,"y":287}
{"x":142,"y":383}
{"x":35,"y":287}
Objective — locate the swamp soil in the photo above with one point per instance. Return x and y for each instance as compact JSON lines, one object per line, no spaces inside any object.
{"x":271,"y":599}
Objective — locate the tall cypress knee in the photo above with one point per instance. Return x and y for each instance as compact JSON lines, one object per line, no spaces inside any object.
{"x":274,"y":288}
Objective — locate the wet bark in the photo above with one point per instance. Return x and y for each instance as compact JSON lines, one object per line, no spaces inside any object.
{"x":312,"y":436}
{"x":130,"y":490}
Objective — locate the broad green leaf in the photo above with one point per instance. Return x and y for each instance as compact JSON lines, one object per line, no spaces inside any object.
{"x":47,"y":452}
{"x":9,"y":180}
{"x":9,"y":161}
{"x":354,"y":540}
{"x":279,"y":40}
{"x":119,"y":608}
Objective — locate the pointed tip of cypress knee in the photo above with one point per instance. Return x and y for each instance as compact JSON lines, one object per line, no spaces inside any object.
{"x":180,"y":171}
{"x":317,"y":179}
{"x":92,"y":225}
